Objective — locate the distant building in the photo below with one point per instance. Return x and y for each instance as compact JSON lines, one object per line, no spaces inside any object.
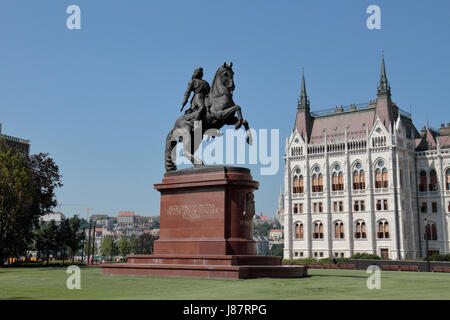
{"x":20,"y":145}
{"x":276,"y":234}
{"x":56,"y":216}
{"x":125,"y":218}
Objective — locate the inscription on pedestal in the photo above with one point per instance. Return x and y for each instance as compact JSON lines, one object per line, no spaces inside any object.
{"x":193,"y":212}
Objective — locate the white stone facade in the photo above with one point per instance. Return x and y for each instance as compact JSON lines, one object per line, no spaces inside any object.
{"x":381,"y":215}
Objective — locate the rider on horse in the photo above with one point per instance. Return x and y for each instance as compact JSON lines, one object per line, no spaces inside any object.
{"x":201,"y":89}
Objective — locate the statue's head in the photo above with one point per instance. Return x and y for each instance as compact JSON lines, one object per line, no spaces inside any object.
{"x":198,"y":73}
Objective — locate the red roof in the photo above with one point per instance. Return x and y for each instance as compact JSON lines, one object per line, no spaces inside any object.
{"x":276,"y":230}
{"x":126,"y":214}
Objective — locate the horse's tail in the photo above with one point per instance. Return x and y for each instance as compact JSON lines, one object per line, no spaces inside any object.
{"x":170,"y":144}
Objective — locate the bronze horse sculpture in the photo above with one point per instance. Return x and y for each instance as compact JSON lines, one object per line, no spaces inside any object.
{"x":221,"y":111}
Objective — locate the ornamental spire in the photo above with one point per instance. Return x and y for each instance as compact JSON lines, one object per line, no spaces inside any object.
{"x":303,"y":101}
{"x":383,"y":85}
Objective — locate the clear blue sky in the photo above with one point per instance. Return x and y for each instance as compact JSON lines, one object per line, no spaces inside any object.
{"x":101,"y":99}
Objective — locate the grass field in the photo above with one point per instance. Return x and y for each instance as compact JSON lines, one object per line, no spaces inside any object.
{"x":50,"y":283}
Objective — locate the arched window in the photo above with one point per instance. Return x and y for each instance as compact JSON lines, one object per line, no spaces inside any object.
{"x":362,"y":180}
{"x":318,"y":230}
{"x":433,"y":181}
{"x":355,"y":180}
{"x":423,"y":181}
{"x":383,"y":230}
{"x":295,"y":185}
{"x":295,"y":208}
{"x":381,"y":175}
{"x":335,"y":182}
{"x":339,"y":230}
{"x":299,"y":231}
{"x":338,"y":179}
{"x":315,"y":183}
{"x":378,"y":178}
{"x":447,"y":179}
{"x":385,"y":178}
{"x":359,"y":178}
{"x":431,"y":231}
{"x":360,"y":230}
{"x":301,"y":189}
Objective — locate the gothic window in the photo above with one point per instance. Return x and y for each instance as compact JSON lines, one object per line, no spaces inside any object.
{"x":423,"y":181}
{"x":339,"y":230}
{"x":433,"y":181}
{"x":338,"y":179}
{"x":385,"y":178}
{"x":295,"y":208}
{"x":317,"y":185}
{"x":360,"y":230}
{"x":378,"y":178}
{"x":431,"y":231}
{"x":383,"y":230}
{"x":298,"y":231}
{"x":318,"y":230}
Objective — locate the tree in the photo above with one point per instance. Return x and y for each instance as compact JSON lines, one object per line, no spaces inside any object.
{"x":45,"y":239}
{"x":108,"y":247}
{"x":146,"y":241}
{"x":134,"y":244}
{"x":27,"y":191}
{"x":75,"y":237}
{"x":124,"y":247}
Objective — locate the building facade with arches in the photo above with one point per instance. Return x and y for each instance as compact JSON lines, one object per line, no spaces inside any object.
{"x":363,"y":179}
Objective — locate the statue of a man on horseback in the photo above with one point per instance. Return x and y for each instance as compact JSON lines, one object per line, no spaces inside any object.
{"x":201,"y":89}
{"x":211,"y":109}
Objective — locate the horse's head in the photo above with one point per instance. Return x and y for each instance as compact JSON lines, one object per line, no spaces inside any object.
{"x":223,"y":82}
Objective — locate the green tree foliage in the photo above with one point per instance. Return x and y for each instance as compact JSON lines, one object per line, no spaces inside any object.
{"x":146,"y":241}
{"x":27,"y":191}
{"x":134,"y":244}
{"x":262,"y":229}
{"x":56,"y":240}
{"x":124,"y":246}
{"x":109,"y":247}
{"x":277,"y":250}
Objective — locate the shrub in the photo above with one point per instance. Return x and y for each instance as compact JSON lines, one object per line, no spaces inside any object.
{"x":439,"y":257}
{"x":300,"y":261}
{"x":330,"y":261}
{"x":56,"y":263}
{"x":315,"y":261}
{"x":365,"y":256}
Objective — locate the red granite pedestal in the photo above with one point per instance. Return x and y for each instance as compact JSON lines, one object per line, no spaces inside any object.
{"x":206,"y":229}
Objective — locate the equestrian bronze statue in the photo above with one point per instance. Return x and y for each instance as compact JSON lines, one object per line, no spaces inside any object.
{"x":211,"y":109}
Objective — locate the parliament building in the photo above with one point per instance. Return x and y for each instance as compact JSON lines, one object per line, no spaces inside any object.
{"x":363,"y":179}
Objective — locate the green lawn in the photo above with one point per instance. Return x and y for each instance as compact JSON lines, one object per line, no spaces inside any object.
{"x":50,"y":283}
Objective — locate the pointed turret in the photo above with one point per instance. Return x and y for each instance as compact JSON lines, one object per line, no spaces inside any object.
{"x":385,"y":109}
{"x":383,"y":85}
{"x":303,"y":101}
{"x":303,"y":119}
